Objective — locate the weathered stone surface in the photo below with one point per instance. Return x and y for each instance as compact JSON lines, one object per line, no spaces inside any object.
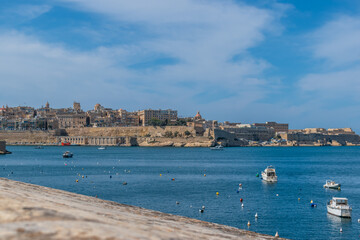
{"x":33,"y":212}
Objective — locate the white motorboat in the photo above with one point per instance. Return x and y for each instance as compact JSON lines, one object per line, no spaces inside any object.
{"x":102,"y":148}
{"x":67,"y":154}
{"x":217,"y":147}
{"x":339,"y":207}
{"x":269,"y":174}
{"x":333,"y":185}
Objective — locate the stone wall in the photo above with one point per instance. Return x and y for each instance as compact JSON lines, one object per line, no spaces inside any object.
{"x":323,"y":139}
{"x":229,"y":139}
{"x":148,"y":131}
{"x":29,"y":211}
{"x":28,"y":137}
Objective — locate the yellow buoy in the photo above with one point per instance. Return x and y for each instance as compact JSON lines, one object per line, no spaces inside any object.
{"x":248,"y":224}
{"x":77,"y":180}
{"x":82,"y":176}
{"x":217,"y":193}
{"x":298,"y":199}
{"x":160,"y":174}
{"x":311,"y":201}
{"x":204,"y":175}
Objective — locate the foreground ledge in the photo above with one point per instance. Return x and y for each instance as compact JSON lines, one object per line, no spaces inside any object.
{"x":29,"y":211}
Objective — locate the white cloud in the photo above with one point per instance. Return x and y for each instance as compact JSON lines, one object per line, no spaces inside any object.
{"x":201,"y":36}
{"x":337,"y":42}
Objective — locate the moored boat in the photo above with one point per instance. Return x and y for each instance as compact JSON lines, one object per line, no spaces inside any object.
{"x":65,"y":143}
{"x":101,"y":148}
{"x":339,"y":207}
{"x":269,"y":174}
{"x":67,"y":154}
{"x":217,"y":147}
{"x":332,"y":185}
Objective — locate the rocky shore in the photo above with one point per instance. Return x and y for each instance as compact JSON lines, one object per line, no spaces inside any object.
{"x":29,"y":211}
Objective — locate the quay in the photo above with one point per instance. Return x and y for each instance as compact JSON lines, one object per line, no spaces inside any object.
{"x":29,"y":211}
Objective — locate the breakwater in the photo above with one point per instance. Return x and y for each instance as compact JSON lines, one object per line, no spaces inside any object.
{"x":29,"y":211}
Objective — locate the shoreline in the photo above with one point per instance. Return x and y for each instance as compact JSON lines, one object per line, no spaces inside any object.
{"x":37,"y":212}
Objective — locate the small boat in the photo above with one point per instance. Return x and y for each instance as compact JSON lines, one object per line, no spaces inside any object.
{"x":217,"y":147}
{"x":332,"y":185}
{"x":39,"y":147}
{"x":67,"y":154}
{"x":102,"y":148}
{"x":269,"y":174}
{"x":339,"y":207}
{"x":65,"y":143}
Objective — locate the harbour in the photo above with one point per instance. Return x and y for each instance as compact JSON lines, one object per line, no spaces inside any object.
{"x":180,"y":181}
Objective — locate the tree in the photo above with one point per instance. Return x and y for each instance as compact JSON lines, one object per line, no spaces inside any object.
{"x":187,"y":133}
{"x":168,"y":134}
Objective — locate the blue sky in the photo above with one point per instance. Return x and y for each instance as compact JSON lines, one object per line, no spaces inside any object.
{"x":243,"y":61}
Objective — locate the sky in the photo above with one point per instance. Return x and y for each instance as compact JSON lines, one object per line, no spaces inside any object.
{"x":247,"y":61}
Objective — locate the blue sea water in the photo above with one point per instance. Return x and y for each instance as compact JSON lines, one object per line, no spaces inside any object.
{"x":302,"y":172}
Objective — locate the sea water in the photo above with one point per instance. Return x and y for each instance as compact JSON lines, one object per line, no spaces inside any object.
{"x":182,"y":180}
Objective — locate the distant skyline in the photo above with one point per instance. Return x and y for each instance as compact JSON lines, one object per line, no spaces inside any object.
{"x":242,"y":61}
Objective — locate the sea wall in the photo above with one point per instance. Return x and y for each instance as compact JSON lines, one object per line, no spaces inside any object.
{"x":28,"y":137}
{"x":322,"y":139}
{"x":29,"y":211}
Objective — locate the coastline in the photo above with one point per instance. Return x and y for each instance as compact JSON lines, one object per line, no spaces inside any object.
{"x":36,"y":212}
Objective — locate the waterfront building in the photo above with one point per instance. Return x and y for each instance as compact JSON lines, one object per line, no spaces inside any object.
{"x":250,"y":132}
{"x":71,"y":120}
{"x":278,"y":127}
{"x":168,"y":116}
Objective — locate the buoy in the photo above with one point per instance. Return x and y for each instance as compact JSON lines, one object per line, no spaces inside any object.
{"x":241,"y":200}
{"x":359,"y":220}
{"x":256,"y":215}
{"x":173,"y":179}
{"x":177,"y":202}
{"x":201,"y":210}
{"x":160,"y":174}
{"x":298,"y":199}
{"x":257,"y":175}
{"x":311,"y":201}
{"x":77,"y":180}
{"x":203,"y":207}
{"x":110,"y":176}
{"x":276,"y":234}
{"x":217,"y":193}
{"x":237,"y":191}
{"x":204,"y":175}
{"x":339,"y":188}
{"x":124,"y":183}
{"x":242,"y":205}
{"x":340,"y":229}
{"x":82,"y":176}
{"x":248,"y":224}
{"x":240,"y":185}
{"x":277,"y":195}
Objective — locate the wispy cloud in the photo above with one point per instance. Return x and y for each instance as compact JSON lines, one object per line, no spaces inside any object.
{"x":23,"y":13}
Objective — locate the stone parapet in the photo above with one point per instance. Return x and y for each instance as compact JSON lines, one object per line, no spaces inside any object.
{"x":29,"y":211}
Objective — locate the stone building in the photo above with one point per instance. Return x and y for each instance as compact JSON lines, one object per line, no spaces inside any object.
{"x":72,"y":120}
{"x":170,"y":116}
{"x":278,"y":127}
{"x":251,"y":132}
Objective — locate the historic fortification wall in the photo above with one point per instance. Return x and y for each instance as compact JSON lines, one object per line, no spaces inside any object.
{"x":148,"y":131}
{"x":28,"y":137}
{"x":339,"y":139}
